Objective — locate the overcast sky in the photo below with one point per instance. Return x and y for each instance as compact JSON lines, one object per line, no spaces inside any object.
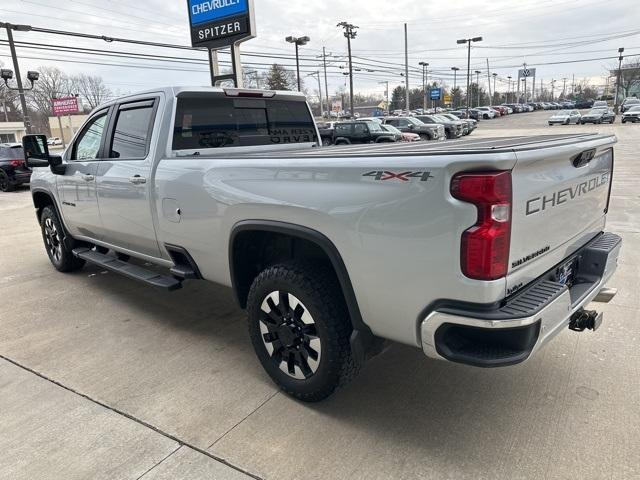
{"x":539,"y":32}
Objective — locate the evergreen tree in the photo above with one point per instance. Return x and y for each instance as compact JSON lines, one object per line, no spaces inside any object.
{"x":279,"y":78}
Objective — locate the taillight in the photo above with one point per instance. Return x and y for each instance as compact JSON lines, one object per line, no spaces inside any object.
{"x":16,"y":163}
{"x":485,"y":246}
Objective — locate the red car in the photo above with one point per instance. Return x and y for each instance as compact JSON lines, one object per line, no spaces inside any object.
{"x":500,"y":109}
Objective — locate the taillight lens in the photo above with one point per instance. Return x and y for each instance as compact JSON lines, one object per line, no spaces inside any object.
{"x":485,"y":246}
{"x":16,"y":163}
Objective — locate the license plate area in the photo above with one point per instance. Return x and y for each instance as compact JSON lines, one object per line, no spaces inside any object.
{"x":566,"y":273}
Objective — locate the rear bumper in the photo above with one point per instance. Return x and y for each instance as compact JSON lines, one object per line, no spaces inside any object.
{"x":509,"y":333}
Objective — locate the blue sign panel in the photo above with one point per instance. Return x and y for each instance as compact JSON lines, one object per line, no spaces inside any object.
{"x":436,"y":94}
{"x":204,"y":11}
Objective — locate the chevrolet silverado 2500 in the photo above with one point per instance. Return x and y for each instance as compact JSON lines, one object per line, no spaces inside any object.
{"x":478,"y":252}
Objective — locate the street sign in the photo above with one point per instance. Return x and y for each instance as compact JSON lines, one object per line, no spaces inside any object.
{"x":447,"y":99}
{"x":217,"y":24}
{"x":65,"y":106}
{"x":526,"y":72}
{"x":336,"y":106}
{"x":435,"y":94}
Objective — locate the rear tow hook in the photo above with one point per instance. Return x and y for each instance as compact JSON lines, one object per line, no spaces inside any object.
{"x":585,"y":320}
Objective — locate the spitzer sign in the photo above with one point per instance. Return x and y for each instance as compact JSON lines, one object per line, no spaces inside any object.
{"x":220,"y":23}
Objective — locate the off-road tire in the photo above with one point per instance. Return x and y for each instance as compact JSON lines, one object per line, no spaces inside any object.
{"x":52,"y":234}
{"x":317,"y":288}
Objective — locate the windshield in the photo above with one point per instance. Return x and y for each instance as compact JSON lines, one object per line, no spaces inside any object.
{"x":442,"y":118}
{"x":597,"y":111}
{"x":374,"y":126}
{"x":634,"y":109}
{"x":415,"y":121}
{"x":392,"y":129}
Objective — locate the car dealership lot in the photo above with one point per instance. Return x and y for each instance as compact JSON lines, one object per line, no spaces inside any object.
{"x":101,"y":377}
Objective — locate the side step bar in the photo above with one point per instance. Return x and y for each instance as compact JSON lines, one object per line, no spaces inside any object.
{"x":128,"y":270}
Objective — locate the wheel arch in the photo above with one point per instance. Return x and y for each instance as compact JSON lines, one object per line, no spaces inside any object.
{"x":243,"y":274}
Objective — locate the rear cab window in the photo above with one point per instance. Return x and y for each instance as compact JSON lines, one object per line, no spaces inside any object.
{"x":205,"y":121}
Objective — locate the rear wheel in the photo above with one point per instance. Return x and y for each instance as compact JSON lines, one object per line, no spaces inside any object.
{"x":326,"y":142}
{"x":299,"y":326}
{"x":52,"y":233}
{"x":5,"y":182}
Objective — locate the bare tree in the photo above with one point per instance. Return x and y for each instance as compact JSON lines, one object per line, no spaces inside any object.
{"x":53,"y":83}
{"x":92,"y":89}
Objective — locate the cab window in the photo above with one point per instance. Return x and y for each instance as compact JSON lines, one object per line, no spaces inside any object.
{"x":87,"y":146}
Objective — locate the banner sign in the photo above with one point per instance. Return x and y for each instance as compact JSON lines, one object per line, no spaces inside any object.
{"x":65,"y":106}
{"x":217,"y":24}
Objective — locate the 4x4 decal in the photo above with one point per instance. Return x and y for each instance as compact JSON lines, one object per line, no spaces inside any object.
{"x":384,"y":175}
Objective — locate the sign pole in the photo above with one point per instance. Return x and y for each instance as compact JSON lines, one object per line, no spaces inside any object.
{"x":236,"y":65}
{"x":64,"y":144}
{"x":214,"y":66}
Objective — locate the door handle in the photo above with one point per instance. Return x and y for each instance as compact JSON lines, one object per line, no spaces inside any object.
{"x":138,"y":180}
{"x":88,"y":178}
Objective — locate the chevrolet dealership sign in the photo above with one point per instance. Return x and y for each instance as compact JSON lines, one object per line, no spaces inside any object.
{"x":220,"y":23}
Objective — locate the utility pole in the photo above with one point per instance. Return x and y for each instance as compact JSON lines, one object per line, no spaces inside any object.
{"x":406,"y":66}
{"x":620,"y":51}
{"x":425,"y":76}
{"x":564,"y":88}
{"x":23,"y":101}
{"x":326,"y":82}
{"x":317,"y":75}
{"x":489,"y":84}
{"x":508,"y":88}
{"x":455,"y":78}
{"x":478,"y":72}
{"x":350,"y":34}
{"x":553,"y":88}
{"x":468,"y":41}
{"x":573,"y":85}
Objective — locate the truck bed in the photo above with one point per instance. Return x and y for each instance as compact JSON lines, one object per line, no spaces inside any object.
{"x":462,"y":146}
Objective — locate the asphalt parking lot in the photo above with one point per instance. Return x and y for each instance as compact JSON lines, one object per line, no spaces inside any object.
{"x":104,"y":378}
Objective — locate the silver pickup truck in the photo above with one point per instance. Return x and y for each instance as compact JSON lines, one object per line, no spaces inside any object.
{"x":476,"y":251}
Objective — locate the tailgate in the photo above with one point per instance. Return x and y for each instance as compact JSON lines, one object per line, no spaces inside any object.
{"x":560,"y":200}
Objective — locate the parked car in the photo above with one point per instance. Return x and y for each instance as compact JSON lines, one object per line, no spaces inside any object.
{"x":346,"y":133}
{"x":628,"y":103}
{"x":326,"y":131}
{"x":599,"y":115}
{"x":54,"y":141}
{"x":487,"y":112}
{"x":565,"y":117}
{"x":453,"y":128}
{"x":401,"y":136}
{"x":631,"y":115}
{"x":413,"y":125}
{"x":600,"y":104}
{"x":13,"y":170}
{"x":583,"y":104}
{"x":467,"y":253}
{"x":475,"y":114}
{"x":514,"y":107}
{"x":461,"y":114}
{"x":469,"y":125}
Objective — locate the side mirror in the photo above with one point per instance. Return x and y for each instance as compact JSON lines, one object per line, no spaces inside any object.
{"x":36,"y":150}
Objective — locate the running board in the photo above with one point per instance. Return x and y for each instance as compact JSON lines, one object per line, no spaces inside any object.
{"x":128,"y":270}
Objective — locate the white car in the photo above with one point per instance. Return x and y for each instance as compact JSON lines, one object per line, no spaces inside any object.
{"x":487,"y":112}
{"x":565,"y":117}
{"x":54,"y":141}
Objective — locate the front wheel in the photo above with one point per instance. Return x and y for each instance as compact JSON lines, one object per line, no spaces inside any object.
{"x":299,"y":326}
{"x":326,"y":142}
{"x":52,"y":233}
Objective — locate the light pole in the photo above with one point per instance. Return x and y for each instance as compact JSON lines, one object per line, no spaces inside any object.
{"x":494,"y":85}
{"x":620,"y":51}
{"x":478,"y":72}
{"x":553,"y":87}
{"x":298,"y":42}
{"x":425,"y":74}
{"x":350,"y":34}
{"x":509,"y":87}
{"x":469,"y":41}
{"x":455,"y":78}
